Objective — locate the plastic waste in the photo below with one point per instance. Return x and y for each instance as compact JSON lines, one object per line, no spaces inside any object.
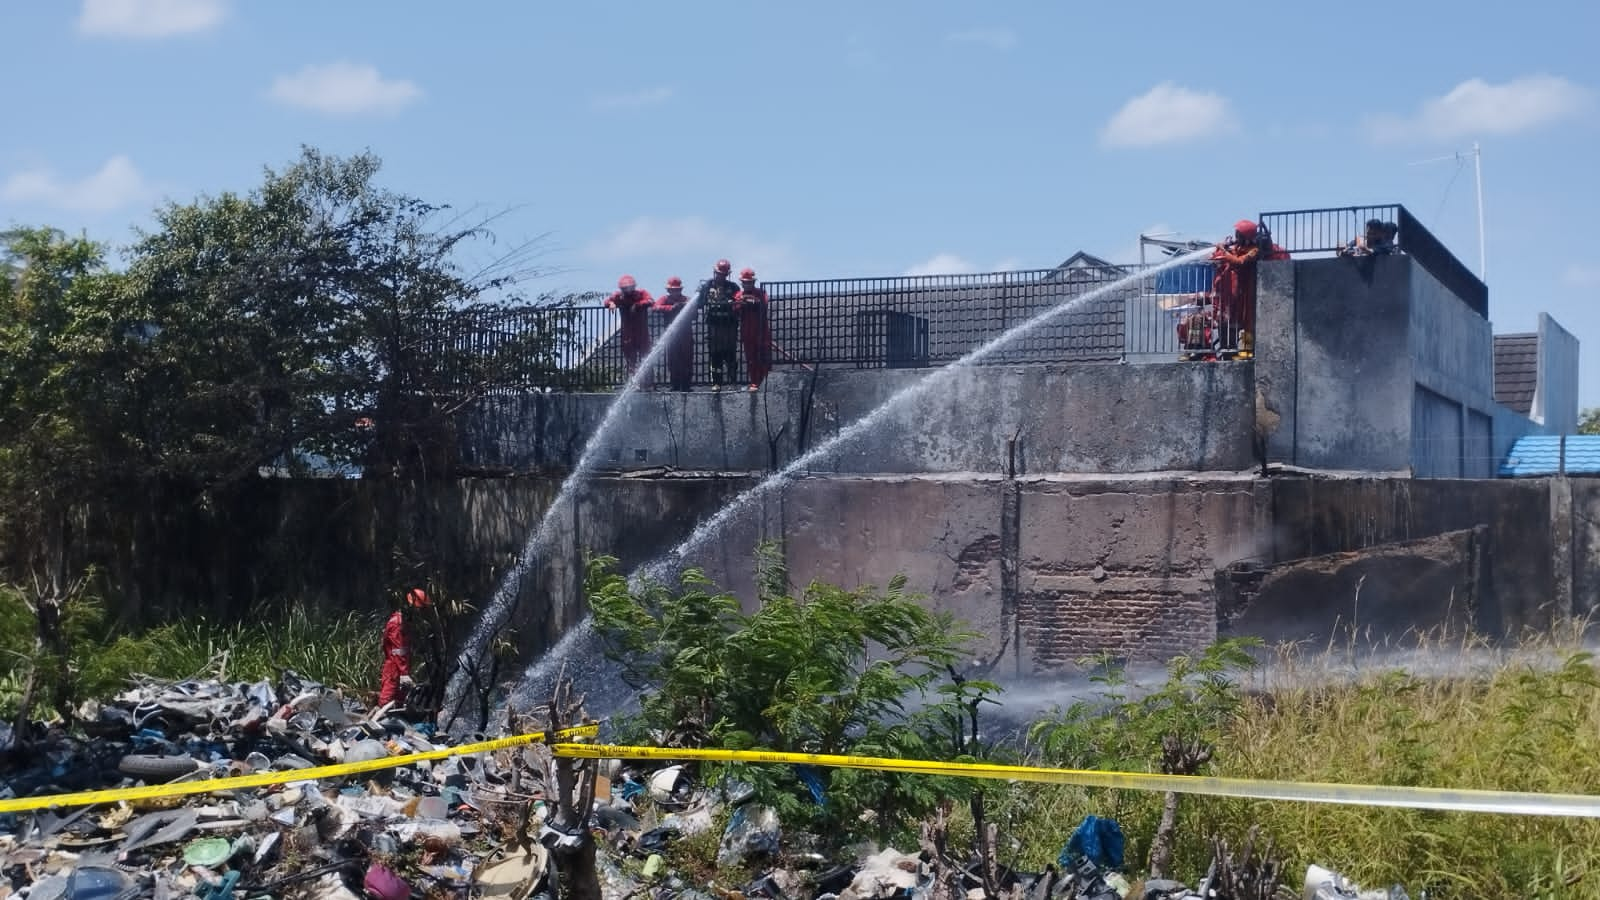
{"x":385,"y":884}
{"x":752,"y":833}
{"x":1326,"y":884}
{"x":207,"y":852}
{"x":1096,"y":839}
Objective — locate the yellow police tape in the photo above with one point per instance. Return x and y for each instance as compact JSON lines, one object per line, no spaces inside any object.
{"x":1510,"y":802}
{"x":263,"y":779}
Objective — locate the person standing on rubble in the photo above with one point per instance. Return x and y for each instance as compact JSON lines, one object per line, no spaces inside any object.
{"x":755,"y":331}
{"x":722,"y":324}
{"x":633,"y":307}
{"x":680,"y":351}
{"x":394,"y":681}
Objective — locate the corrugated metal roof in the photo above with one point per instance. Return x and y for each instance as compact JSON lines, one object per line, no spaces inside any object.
{"x":1540,"y":454}
{"x":1516,"y":370}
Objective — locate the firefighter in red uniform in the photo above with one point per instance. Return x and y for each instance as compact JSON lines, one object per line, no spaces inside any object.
{"x":395,"y":679}
{"x":755,"y":332}
{"x":1234,"y":285}
{"x":633,"y":306}
{"x":680,"y":352}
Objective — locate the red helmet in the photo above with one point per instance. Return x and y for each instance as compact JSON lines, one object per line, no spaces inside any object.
{"x":747,"y":275}
{"x":418,"y":598}
{"x":626,"y":283}
{"x":674,"y":283}
{"x":723,"y":267}
{"x":1245,"y":228}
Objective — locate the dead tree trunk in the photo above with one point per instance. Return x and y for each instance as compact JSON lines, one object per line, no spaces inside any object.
{"x":571,"y":844}
{"x":1178,"y":757}
{"x":47,"y":597}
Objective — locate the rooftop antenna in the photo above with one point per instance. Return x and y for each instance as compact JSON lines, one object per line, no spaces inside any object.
{"x":1477,"y":170}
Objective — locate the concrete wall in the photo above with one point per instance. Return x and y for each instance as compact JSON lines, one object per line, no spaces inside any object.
{"x":1109,"y":419}
{"x":1373,"y":365}
{"x":734,"y":431}
{"x":1555,"y":404}
{"x":1335,"y":364}
{"x":1436,"y":443}
{"x":1316,"y":516}
{"x":1083,"y":418}
{"x":1051,"y":570}
{"x":1451,"y":347}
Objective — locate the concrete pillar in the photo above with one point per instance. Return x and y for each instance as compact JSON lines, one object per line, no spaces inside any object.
{"x":1561,"y":538}
{"x":1276,"y":362}
{"x":1010,"y":553}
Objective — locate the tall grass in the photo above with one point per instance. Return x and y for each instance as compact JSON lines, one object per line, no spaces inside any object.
{"x":341,"y":651}
{"x":1522,"y":720}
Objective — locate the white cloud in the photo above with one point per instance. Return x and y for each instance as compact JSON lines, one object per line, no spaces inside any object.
{"x":1168,"y":114}
{"x":117,"y":184}
{"x":942,"y":264}
{"x":1581,"y":276}
{"x":634,"y":100}
{"x":149,"y":18}
{"x":690,"y":244}
{"x":993,"y":38}
{"x":1476,"y":107}
{"x":343,"y":88}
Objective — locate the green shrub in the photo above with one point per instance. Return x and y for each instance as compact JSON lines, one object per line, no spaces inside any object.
{"x":829,"y":670}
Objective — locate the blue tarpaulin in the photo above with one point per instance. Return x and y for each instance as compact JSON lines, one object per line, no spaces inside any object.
{"x":1098,"y":840}
{"x":1194,"y":278}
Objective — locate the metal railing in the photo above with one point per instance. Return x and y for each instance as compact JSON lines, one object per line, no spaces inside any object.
{"x":934,"y":320}
{"x":1311,"y":231}
{"x":931,"y":320}
{"x":865,"y":323}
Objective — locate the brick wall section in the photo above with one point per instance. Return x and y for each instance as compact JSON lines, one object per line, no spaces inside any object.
{"x":1063,"y":627}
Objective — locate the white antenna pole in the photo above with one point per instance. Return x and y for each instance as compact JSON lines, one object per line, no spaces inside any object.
{"x":1483,"y":253}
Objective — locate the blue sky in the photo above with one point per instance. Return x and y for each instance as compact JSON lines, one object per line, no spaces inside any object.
{"x":834,"y":139}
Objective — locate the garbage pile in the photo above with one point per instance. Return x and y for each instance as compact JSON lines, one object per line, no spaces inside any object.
{"x":438,"y":827}
{"x":474,"y":825}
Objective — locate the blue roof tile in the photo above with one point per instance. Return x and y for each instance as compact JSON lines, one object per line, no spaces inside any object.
{"x":1540,"y":454}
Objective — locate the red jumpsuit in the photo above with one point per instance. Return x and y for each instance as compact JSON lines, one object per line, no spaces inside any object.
{"x":634,"y":309}
{"x":754,"y":332}
{"x":1235,"y":290}
{"x":396,"y":658}
{"x":680,"y":353}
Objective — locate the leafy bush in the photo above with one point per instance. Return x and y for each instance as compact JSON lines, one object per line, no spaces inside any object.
{"x":829,"y":671}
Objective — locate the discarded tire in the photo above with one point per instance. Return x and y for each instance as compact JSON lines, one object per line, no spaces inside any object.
{"x":152,"y":767}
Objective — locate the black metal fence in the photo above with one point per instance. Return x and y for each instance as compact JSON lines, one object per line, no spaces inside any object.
{"x":1106,"y":314}
{"x":933,"y":320}
{"x":1312,"y":231}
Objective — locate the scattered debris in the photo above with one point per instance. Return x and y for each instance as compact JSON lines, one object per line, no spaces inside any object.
{"x":485,"y":825}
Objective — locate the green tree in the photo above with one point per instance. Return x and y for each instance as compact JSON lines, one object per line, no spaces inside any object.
{"x":1589,"y":421}
{"x":319,"y":302}
{"x":317,"y":314}
{"x":829,"y":670}
{"x":55,"y":386}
